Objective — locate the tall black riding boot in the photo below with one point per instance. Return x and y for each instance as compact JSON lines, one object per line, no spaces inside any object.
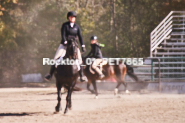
{"x":49,"y":76}
{"x":81,"y":74}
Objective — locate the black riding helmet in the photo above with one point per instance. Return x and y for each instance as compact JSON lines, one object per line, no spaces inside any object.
{"x":71,"y":13}
{"x":93,"y":37}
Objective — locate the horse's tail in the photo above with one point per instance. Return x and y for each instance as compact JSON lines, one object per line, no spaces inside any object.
{"x":130,"y":72}
{"x":74,"y":89}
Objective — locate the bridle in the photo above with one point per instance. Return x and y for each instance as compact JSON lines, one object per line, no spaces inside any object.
{"x":72,"y":48}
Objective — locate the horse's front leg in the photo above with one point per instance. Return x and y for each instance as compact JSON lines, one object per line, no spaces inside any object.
{"x":95,"y":89}
{"x":57,"y":108}
{"x":68,"y":98}
{"x":70,"y":102}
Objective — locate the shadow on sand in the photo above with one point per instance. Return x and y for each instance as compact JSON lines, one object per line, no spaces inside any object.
{"x":16,"y":114}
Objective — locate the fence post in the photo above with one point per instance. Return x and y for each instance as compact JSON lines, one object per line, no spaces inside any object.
{"x":159,"y":79}
{"x":152,"y":77}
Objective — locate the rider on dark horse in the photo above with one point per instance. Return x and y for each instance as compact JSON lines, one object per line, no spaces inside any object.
{"x":97,"y":54}
{"x":70,"y":30}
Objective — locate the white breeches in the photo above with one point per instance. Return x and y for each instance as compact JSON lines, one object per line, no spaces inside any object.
{"x":95,"y":64}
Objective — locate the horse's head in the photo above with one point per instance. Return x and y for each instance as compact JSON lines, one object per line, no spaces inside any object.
{"x":72,"y":48}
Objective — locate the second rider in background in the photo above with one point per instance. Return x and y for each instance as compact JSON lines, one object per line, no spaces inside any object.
{"x":97,"y":54}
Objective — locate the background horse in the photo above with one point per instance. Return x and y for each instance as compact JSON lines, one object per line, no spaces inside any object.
{"x":117,"y":71}
{"x":66,"y":75}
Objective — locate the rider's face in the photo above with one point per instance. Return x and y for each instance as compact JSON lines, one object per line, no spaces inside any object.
{"x":93,"y":41}
{"x":72,"y":19}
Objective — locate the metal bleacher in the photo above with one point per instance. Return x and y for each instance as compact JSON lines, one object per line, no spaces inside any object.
{"x":167,"y":42}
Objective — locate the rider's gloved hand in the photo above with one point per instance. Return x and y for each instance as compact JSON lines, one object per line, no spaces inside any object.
{"x":65,"y":43}
{"x":102,"y":45}
{"x":83,"y":48}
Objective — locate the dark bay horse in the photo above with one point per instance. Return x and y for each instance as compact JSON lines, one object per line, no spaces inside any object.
{"x":66,"y":75}
{"x":117,"y":71}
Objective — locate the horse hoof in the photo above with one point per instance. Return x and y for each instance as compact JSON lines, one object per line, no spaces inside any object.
{"x":127,"y":92}
{"x":70,"y":108}
{"x":65,"y":112}
{"x":96,"y":97}
{"x":57,"y":109}
{"x":115,"y":91}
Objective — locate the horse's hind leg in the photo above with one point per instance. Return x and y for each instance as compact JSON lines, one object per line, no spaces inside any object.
{"x":123,"y":79}
{"x":119,"y":83}
{"x":95,"y":89}
{"x":116,"y":89}
{"x":125,"y":84}
{"x":120,"y":80}
{"x":88,"y":87}
{"x":57,"y":108}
